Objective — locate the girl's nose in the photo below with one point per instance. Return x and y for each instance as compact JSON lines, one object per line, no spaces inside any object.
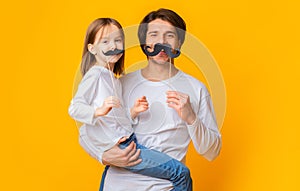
{"x":113,"y":46}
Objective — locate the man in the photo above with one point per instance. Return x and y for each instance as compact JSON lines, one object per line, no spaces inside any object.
{"x":180,"y":108}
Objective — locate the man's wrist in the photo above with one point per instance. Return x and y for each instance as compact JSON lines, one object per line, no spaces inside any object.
{"x":104,"y":162}
{"x":191,"y":119}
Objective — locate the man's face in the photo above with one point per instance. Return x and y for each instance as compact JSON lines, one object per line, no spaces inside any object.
{"x":160,"y":31}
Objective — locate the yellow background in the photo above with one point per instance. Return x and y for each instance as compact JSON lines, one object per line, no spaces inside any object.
{"x":256,"y":44}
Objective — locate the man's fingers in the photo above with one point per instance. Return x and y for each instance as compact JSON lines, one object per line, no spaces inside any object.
{"x":173,"y":101}
{"x":134,"y":160}
{"x":130,"y":149}
{"x":172,"y":93}
{"x":175,"y":94}
{"x":122,"y":140}
{"x":132,"y":154}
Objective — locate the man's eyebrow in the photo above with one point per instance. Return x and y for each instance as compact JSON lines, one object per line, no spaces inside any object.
{"x":151,"y":32}
{"x":171,"y":32}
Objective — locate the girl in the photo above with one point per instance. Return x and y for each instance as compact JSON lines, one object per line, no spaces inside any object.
{"x":98,"y":105}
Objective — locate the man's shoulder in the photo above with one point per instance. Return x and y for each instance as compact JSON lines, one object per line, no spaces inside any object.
{"x":130,"y":76}
{"x":194,"y":81}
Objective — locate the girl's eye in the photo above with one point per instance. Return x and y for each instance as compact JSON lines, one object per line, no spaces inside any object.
{"x":118,"y":40}
{"x":105,"y":41}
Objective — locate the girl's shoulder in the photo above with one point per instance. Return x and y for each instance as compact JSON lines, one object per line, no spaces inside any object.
{"x":96,"y":72}
{"x":93,"y":75}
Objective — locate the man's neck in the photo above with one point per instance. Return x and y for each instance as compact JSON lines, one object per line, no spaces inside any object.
{"x":159,"y":72}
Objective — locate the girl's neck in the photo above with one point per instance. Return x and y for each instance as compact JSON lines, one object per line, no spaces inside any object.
{"x":105,"y":65}
{"x":159,"y":72}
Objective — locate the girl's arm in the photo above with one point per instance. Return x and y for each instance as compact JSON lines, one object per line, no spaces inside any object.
{"x":80,"y":108}
{"x":89,"y":147}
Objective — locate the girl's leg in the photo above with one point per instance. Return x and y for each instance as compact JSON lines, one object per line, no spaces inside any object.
{"x":159,"y":165}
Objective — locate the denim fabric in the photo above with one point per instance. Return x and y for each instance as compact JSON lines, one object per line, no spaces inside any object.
{"x":159,"y":165}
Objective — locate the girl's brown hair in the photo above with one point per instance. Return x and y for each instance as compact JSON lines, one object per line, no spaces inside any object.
{"x":88,"y":59}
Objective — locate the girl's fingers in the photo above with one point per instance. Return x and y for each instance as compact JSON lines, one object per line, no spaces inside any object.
{"x":112,"y":104}
{"x":143,"y":103}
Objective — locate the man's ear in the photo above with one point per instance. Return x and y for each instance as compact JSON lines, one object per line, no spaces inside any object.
{"x":179,"y":44}
{"x":91,"y":48}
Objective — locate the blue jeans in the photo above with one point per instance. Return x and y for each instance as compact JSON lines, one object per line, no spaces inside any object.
{"x":159,"y":165}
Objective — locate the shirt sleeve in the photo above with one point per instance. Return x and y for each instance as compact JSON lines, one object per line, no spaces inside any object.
{"x":80,"y":108}
{"x":85,"y":143}
{"x":204,"y":130}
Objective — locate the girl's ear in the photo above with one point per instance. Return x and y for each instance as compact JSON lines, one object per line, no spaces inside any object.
{"x":91,"y":49}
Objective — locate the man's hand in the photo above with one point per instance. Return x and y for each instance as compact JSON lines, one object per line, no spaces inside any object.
{"x":182,"y":105}
{"x":122,"y":157}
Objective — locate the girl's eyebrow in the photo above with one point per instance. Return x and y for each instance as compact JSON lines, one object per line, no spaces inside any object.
{"x":104,"y":37}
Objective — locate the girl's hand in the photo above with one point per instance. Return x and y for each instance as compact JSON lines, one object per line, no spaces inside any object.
{"x":140,"y":105}
{"x":108,"y":104}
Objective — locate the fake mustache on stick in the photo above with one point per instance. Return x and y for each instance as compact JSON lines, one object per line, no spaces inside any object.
{"x":159,"y":47}
{"x":113,"y":52}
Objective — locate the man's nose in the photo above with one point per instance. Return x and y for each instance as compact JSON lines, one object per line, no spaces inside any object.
{"x":162,"y":39}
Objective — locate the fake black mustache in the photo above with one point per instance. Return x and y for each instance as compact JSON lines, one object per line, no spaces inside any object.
{"x":159,"y":47}
{"x":113,"y":52}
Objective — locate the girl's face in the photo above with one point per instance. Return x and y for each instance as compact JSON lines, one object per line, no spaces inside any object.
{"x":107,"y":38}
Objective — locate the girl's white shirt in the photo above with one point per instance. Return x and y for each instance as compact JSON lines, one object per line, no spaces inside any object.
{"x":99,"y":134}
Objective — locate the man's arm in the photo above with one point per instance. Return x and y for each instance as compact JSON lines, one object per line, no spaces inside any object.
{"x":201,"y":125}
{"x":114,"y":156}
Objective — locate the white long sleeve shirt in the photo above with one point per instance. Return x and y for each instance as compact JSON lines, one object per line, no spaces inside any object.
{"x":161,"y":128}
{"x":99,"y":134}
